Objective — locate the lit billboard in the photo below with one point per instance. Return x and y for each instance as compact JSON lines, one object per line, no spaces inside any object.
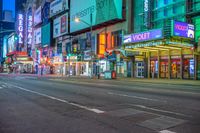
{"x":5,"y":51}
{"x":11,"y":44}
{"x":60,"y":26}
{"x":183,"y":29}
{"x":37,"y":36}
{"x":101,"y":10}
{"x":143,"y":36}
{"x":57,"y":6}
{"x":37,"y":16}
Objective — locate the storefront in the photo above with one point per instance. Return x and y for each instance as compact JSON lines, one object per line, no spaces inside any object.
{"x":156,"y":57}
{"x":19,"y":62}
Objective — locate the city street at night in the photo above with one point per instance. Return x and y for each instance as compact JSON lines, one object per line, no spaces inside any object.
{"x":74,"y":105}
{"x":99,"y":66}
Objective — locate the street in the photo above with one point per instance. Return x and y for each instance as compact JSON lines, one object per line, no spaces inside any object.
{"x":51,"y":105}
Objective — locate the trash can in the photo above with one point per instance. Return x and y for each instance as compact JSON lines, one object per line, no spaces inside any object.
{"x":114,"y":75}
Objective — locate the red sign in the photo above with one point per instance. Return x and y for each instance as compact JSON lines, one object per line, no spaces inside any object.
{"x":63,"y":24}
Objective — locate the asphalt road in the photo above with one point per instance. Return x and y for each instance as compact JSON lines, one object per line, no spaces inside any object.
{"x":32,"y":105}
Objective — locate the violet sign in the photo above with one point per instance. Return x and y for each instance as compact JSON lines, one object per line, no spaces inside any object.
{"x":143,"y":36}
{"x":183,"y":29}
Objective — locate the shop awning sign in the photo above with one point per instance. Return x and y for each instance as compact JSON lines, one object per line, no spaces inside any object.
{"x":143,"y":45}
{"x":143,"y":36}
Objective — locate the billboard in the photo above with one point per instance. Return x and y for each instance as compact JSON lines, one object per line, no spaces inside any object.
{"x":143,"y":36}
{"x":46,"y":37}
{"x":11,"y":44}
{"x":37,"y":16}
{"x":37,"y":36}
{"x":101,"y":10}
{"x":45,"y":12}
{"x":57,"y":6}
{"x":183,"y":29}
{"x":60,"y":26}
{"x":5,"y":51}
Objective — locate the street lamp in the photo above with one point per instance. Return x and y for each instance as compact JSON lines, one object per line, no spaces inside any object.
{"x":78,"y":20}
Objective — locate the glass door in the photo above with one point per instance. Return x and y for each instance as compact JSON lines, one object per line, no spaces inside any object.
{"x":164,"y":69}
{"x":140,"y":69}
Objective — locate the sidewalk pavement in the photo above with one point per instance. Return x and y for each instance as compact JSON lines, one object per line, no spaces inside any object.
{"x":122,"y":79}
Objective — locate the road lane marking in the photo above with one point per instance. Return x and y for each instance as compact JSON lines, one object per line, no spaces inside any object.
{"x":143,"y":98}
{"x":64,"y":101}
{"x":159,"y":110}
{"x":166,"y":131}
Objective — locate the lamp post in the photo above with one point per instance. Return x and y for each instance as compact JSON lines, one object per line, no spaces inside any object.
{"x":90,"y":25}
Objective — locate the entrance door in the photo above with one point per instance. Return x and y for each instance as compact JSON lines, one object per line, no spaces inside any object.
{"x":140,"y":69}
{"x":154,"y":69}
{"x":188,"y":68}
{"x":129,"y":64}
{"x":175,"y":69}
{"x":164,"y":69}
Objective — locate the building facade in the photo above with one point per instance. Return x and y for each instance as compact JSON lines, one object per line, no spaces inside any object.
{"x":163,"y":41}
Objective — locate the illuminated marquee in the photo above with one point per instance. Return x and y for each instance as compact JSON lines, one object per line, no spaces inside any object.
{"x":30,"y":29}
{"x":20,"y":28}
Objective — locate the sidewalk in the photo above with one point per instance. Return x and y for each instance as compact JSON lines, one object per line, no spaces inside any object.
{"x":119,"y":79}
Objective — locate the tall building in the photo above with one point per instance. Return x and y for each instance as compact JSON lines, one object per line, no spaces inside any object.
{"x":1,"y":9}
{"x":6,"y":24}
{"x":163,"y":40}
{"x":19,"y":6}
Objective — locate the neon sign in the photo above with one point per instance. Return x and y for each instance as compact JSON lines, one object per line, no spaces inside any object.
{"x":143,"y":36}
{"x":20,"y":28}
{"x":146,"y":13}
{"x":30,"y":30}
{"x":183,"y":29}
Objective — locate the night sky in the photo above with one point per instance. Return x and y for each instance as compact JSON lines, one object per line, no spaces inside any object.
{"x":9,"y":5}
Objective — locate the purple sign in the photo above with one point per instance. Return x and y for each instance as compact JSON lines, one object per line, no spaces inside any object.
{"x":143,"y":36}
{"x":183,"y":29}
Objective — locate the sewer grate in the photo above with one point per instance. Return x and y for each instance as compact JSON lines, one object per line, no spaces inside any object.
{"x":161,"y":123}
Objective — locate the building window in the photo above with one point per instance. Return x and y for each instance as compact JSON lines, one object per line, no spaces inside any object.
{"x":165,"y":2}
{"x":116,"y":39}
{"x":101,"y":43}
{"x":165,"y":12}
{"x":174,"y":9}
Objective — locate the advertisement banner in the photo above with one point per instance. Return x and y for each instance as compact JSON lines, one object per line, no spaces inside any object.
{"x":45,"y":13}
{"x":37,"y":36}
{"x":143,"y":36}
{"x":57,"y":6}
{"x":5,"y":51}
{"x":101,"y":10}
{"x":46,"y":35}
{"x":11,"y":44}
{"x":37,"y":16}
{"x":183,"y":29}
{"x":60,"y":26}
